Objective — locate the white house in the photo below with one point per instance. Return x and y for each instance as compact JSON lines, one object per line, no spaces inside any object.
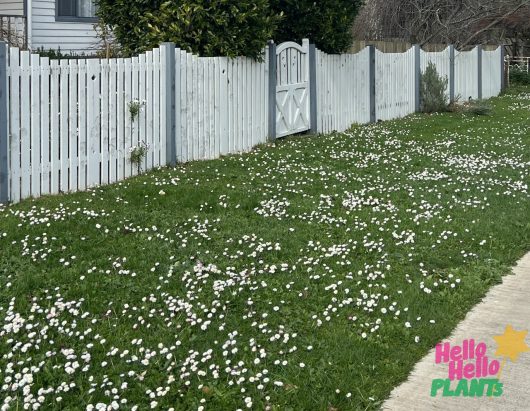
{"x":50,"y":24}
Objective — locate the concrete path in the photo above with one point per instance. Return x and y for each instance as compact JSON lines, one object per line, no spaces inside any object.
{"x":505,"y":304}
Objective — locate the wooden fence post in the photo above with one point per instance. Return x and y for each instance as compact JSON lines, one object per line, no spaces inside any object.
{"x":177,"y":66}
{"x":371,"y":81}
{"x":272,"y":91}
{"x":417,"y":77}
{"x":452,"y":73}
{"x":168,"y":68}
{"x":4,"y":137}
{"x":313,"y":103}
{"x":479,"y":67}
{"x":503,"y":68}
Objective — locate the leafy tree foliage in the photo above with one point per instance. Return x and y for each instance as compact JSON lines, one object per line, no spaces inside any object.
{"x":206,"y":27}
{"x":125,"y":18}
{"x":229,"y":27}
{"x":327,"y":23}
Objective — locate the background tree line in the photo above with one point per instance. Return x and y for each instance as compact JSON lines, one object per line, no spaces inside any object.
{"x":242,"y":27}
{"x":459,"y":22}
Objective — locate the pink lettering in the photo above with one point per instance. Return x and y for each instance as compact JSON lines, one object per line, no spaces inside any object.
{"x":455,"y":353}
{"x":442,"y":353}
{"x":455,"y":370}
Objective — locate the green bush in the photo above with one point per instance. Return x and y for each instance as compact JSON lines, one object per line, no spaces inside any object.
{"x":519,"y":76}
{"x":327,"y":23}
{"x":206,"y":27}
{"x":433,"y":91}
{"x":228,"y":27}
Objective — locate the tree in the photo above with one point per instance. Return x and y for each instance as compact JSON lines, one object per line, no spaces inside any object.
{"x":460,"y":22}
{"x":327,"y":23}
{"x":124,"y":17}
{"x":206,"y":27}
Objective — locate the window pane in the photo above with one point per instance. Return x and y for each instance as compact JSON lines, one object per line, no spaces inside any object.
{"x":86,"y":8}
{"x":66,"y":8}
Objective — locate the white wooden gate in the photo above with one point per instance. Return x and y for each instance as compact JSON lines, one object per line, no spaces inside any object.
{"x":292,"y":88}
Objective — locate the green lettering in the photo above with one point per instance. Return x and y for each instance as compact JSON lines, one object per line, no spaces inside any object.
{"x":462,"y":389}
{"x":447,"y":389}
{"x":476,"y":388}
{"x":498,"y":389}
{"x":491,"y":384}
{"x":436,"y":385}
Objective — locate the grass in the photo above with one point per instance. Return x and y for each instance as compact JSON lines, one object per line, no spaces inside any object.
{"x":309,"y":274}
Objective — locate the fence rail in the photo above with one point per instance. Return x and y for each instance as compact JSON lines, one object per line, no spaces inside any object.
{"x":69,"y":125}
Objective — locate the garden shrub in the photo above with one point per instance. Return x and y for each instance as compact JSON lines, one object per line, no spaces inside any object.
{"x":519,"y":76}
{"x":433,"y":89}
{"x":327,"y":23}
{"x":228,"y":27}
{"x":205,"y":27}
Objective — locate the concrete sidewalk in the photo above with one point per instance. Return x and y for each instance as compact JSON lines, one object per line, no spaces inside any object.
{"x":505,"y":304}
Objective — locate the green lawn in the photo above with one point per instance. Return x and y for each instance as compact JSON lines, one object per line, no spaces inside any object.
{"x":307,"y":275}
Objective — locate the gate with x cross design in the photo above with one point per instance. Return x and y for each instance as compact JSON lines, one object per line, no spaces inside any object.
{"x":292,"y":88}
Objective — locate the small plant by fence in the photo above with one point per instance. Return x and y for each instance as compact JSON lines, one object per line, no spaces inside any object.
{"x":73,"y":124}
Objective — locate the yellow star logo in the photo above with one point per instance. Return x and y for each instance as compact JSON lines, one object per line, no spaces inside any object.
{"x":511,"y":343}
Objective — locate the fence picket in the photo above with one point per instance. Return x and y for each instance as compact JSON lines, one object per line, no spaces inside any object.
{"x":93,"y":123}
{"x":73,"y":120}
{"x":35,"y":125}
{"x":120,"y":118}
{"x":229,"y":83}
{"x":112,"y":126}
{"x":206,"y":102}
{"x":157,"y":159}
{"x":128,"y":141}
{"x":142,"y":115}
{"x":149,"y":103}
{"x":249,"y":132}
{"x":45,"y":125}
{"x":189,"y":108}
{"x":180,"y":106}
{"x":221,"y":146}
{"x":14,"y":122}
{"x":135,"y":127}
{"x":55,"y":113}
{"x":195,"y":104}
{"x":82,"y":124}
{"x":211,"y":109}
{"x":64,"y":136}
{"x":237,"y":106}
{"x":201,"y":115}
{"x":104,"y":122}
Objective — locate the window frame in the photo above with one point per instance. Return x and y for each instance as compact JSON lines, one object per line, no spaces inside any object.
{"x":73,"y":19}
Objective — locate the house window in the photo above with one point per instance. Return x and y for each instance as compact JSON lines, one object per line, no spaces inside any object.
{"x":76,"y":10}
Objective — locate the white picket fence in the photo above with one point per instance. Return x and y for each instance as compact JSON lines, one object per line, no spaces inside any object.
{"x":343,"y":92}
{"x":338,"y":107}
{"x":492,"y":73}
{"x":69,"y":126}
{"x":221,"y":107}
{"x":395,"y":84}
{"x":69,"y":122}
{"x":442,"y":62}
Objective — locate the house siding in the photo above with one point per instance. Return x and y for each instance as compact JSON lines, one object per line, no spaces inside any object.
{"x":70,"y":37}
{"x":12,"y":7}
